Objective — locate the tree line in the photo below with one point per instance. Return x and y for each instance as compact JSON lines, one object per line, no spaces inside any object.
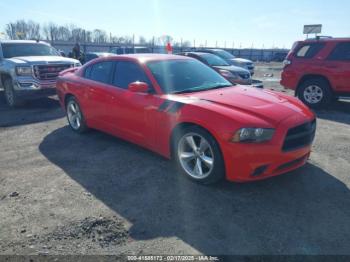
{"x":30,"y":30}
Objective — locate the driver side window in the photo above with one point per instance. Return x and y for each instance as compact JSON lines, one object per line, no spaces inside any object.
{"x":127,"y":72}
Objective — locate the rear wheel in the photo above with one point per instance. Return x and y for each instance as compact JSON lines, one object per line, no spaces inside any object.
{"x":10,"y":96}
{"x":316,"y":93}
{"x":198,"y":156}
{"x":75,"y":116}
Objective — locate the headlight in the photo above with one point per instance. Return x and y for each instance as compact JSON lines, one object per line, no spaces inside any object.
{"x":76,"y":65}
{"x":253,"y":135}
{"x":24,"y":70}
{"x":228,"y":74}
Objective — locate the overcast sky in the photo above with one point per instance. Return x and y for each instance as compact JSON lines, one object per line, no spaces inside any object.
{"x":240,"y":23}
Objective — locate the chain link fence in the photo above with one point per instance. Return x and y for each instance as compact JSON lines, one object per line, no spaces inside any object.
{"x":264,"y":55}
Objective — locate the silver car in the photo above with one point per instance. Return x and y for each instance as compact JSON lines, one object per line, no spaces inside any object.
{"x":231,"y":59}
{"x":235,"y":74}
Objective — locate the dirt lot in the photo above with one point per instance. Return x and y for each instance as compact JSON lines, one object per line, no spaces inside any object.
{"x":62,"y":193}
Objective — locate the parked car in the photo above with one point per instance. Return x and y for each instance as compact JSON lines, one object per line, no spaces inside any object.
{"x":231,"y":59}
{"x":29,"y":69}
{"x":93,"y":55}
{"x":182,"y":109}
{"x":121,"y":50}
{"x":318,"y":70}
{"x":234,"y":74}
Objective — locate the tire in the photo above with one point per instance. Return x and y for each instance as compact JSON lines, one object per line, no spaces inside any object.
{"x":75,"y":116}
{"x":204,"y":166}
{"x":10,"y":96}
{"x":315,"y":93}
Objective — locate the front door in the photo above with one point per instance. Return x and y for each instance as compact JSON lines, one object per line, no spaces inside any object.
{"x":132,"y":114}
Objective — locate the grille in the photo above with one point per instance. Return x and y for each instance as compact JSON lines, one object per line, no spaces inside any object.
{"x":300,"y":136}
{"x":49,"y":72}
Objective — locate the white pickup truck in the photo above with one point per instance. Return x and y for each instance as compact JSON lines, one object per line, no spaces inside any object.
{"x":29,"y":69}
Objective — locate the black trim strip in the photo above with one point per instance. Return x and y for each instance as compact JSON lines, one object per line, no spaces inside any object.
{"x":164,"y":105}
{"x":175,"y":107}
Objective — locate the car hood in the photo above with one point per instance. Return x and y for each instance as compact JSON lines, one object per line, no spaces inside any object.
{"x":269,"y":106}
{"x":241,"y":61}
{"x":232,"y":68}
{"x":42,"y":60}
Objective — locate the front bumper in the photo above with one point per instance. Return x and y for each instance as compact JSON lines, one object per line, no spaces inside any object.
{"x":252,"y":162}
{"x":30,"y":88}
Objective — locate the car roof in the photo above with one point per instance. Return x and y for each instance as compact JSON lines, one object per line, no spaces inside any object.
{"x":199,"y":53}
{"x":327,"y":39}
{"x":23,"y":42}
{"x":149,"y":57}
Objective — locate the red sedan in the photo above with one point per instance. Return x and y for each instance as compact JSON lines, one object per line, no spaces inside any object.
{"x":183,"y":109}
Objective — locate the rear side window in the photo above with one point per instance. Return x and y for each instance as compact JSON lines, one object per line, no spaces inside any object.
{"x":341,"y":52}
{"x":99,"y":72}
{"x":309,"y":50}
{"x":128,"y":72}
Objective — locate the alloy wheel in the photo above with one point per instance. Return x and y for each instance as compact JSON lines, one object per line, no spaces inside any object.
{"x":196,"y":155}
{"x":74,"y":115}
{"x":313,"y":94}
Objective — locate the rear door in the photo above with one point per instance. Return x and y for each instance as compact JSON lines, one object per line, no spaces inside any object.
{"x":97,"y":97}
{"x":338,"y":64}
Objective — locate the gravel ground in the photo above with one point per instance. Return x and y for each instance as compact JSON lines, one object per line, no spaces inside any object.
{"x":63,"y":193}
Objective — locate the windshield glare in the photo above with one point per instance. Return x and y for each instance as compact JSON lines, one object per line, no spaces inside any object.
{"x":176,"y":76}
{"x":224,"y":54}
{"x":17,"y":50}
{"x":214,"y":60}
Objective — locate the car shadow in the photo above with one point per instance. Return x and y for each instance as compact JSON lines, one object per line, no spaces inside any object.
{"x":34,"y":111}
{"x":338,"y":111}
{"x":303,"y":212}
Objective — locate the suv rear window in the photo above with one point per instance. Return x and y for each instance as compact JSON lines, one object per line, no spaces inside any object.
{"x":309,"y":50}
{"x":341,"y":52}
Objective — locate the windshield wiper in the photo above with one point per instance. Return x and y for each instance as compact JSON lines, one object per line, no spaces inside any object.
{"x":198,"y":89}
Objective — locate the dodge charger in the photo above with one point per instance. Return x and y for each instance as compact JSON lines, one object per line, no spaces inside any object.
{"x":184,"y":110}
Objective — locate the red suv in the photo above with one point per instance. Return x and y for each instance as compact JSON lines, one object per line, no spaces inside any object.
{"x":318,"y":70}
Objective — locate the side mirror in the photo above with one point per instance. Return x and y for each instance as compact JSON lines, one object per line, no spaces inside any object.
{"x":138,"y":87}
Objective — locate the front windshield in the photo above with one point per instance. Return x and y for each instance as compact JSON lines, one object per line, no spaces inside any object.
{"x":214,"y":60}
{"x":17,"y":50}
{"x":224,"y":54}
{"x":181,"y":76}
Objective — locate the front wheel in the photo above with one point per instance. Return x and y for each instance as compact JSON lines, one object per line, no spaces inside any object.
{"x":75,"y":116}
{"x":315,"y":93}
{"x":198,"y":156}
{"x":10,"y":96}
